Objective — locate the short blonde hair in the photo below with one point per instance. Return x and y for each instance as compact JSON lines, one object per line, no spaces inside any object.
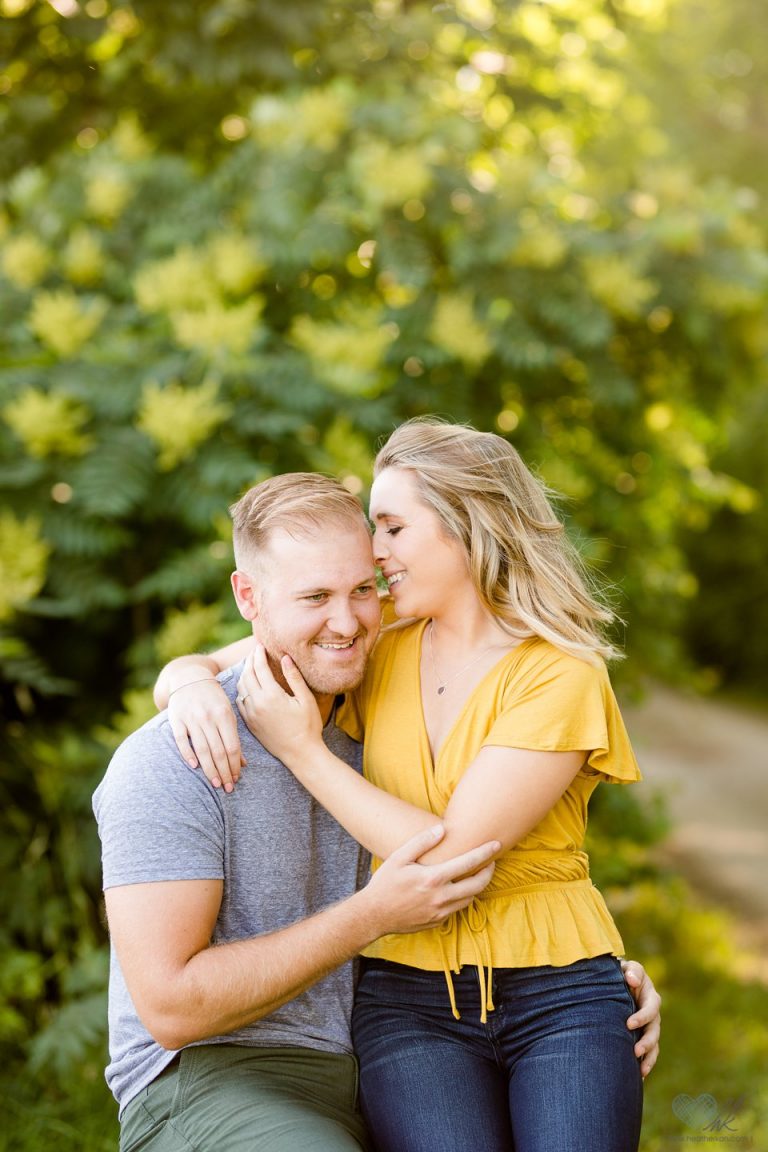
{"x":525,"y":570}
{"x":300,"y":502}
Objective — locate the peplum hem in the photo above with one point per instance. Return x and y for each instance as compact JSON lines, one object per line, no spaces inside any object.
{"x":526,"y":927}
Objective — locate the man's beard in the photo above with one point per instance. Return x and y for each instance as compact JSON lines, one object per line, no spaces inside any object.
{"x":320,"y":681}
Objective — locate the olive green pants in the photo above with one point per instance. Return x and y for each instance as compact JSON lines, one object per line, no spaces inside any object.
{"x":228,"y":1098}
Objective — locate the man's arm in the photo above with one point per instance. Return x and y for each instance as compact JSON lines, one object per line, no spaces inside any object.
{"x":184,"y":989}
{"x":647,"y":1016}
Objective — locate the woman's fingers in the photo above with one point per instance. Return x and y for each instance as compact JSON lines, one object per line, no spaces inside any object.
{"x":181,"y":736}
{"x":205,"y":730}
{"x":295,"y":680}
{"x":205,"y":743}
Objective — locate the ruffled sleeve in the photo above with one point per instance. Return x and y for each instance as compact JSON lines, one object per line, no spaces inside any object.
{"x":349,"y":715}
{"x":555,"y":702}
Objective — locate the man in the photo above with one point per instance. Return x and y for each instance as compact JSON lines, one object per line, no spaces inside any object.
{"x":234,"y":918}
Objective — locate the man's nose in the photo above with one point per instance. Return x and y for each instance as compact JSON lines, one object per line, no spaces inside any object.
{"x":342,"y":619}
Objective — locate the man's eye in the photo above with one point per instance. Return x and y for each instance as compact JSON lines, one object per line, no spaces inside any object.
{"x":317,"y":598}
{"x":364,"y":589}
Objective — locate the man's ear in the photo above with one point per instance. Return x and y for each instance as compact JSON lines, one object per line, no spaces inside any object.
{"x":246,"y":594}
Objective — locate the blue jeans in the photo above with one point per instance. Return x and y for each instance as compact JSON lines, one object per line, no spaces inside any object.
{"x":552,"y":1070}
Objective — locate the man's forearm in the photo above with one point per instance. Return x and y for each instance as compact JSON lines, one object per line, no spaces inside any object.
{"x":186,"y":990}
{"x":225,"y":987}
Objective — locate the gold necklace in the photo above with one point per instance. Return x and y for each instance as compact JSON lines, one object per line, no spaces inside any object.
{"x":443,"y":684}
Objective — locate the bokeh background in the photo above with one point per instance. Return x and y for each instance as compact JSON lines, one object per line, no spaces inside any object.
{"x":240,"y":237}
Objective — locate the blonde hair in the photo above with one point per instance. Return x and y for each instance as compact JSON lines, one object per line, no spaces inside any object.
{"x":300,"y":502}
{"x":525,"y":570}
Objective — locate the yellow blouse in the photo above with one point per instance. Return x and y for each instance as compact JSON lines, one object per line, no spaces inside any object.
{"x":540,"y":907}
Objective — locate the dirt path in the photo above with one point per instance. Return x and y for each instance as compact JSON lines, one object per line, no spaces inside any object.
{"x":711,"y":759}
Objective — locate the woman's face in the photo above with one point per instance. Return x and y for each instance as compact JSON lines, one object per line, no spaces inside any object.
{"x":423,"y":566}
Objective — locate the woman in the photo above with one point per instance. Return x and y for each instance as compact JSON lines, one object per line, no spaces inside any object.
{"x":491,"y":707}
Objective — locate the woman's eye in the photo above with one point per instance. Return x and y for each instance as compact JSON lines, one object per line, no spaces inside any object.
{"x":393,"y":531}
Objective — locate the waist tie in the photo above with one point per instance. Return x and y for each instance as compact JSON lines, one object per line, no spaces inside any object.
{"x":475,"y":917}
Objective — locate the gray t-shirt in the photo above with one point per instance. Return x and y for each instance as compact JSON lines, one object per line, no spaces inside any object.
{"x":281,"y":856}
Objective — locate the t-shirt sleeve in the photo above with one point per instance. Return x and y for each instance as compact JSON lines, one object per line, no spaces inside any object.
{"x":158,"y":819}
{"x":564,"y":704}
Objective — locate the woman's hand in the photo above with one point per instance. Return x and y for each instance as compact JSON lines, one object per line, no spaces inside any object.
{"x":287,"y":725}
{"x":205,"y":730}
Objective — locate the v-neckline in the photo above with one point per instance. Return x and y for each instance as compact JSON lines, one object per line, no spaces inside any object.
{"x":434,"y":756}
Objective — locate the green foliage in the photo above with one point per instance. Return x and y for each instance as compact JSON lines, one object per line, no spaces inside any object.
{"x":245,"y":238}
{"x":731,"y":576}
{"x":622,"y":831}
{"x":712,"y":991}
{"x":52,"y":956}
{"x":715,"y":1005}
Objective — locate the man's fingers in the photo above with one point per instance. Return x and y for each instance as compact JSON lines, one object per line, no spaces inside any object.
{"x":634,"y":973}
{"x":643,"y":1016}
{"x":649,"y":1039}
{"x":464,"y":891}
{"x":647,"y":1050}
{"x":647,"y":1016}
{"x":468,"y":862}
{"x":409,"y":852}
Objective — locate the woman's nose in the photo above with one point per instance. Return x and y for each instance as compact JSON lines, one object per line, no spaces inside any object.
{"x":380,"y":550}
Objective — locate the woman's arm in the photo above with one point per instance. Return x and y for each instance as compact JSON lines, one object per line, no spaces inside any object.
{"x":503,"y":794}
{"x":183,"y":670}
{"x":201,"y":717}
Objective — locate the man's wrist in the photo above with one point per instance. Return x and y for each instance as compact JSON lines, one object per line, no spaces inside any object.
{"x":370,"y":916}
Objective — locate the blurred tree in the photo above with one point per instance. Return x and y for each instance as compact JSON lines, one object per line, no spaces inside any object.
{"x":727,"y":623}
{"x":74,"y":67}
{"x":238,"y":238}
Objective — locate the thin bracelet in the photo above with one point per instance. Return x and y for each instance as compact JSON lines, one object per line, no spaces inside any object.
{"x":179,"y":687}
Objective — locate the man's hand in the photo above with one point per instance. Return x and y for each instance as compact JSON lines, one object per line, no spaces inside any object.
{"x":407,"y":896}
{"x":648,"y":1015}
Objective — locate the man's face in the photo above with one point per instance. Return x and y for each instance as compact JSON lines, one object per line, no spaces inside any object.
{"x":317,"y":601}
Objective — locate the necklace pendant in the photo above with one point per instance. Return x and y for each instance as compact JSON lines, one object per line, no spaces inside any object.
{"x":441,"y":689}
